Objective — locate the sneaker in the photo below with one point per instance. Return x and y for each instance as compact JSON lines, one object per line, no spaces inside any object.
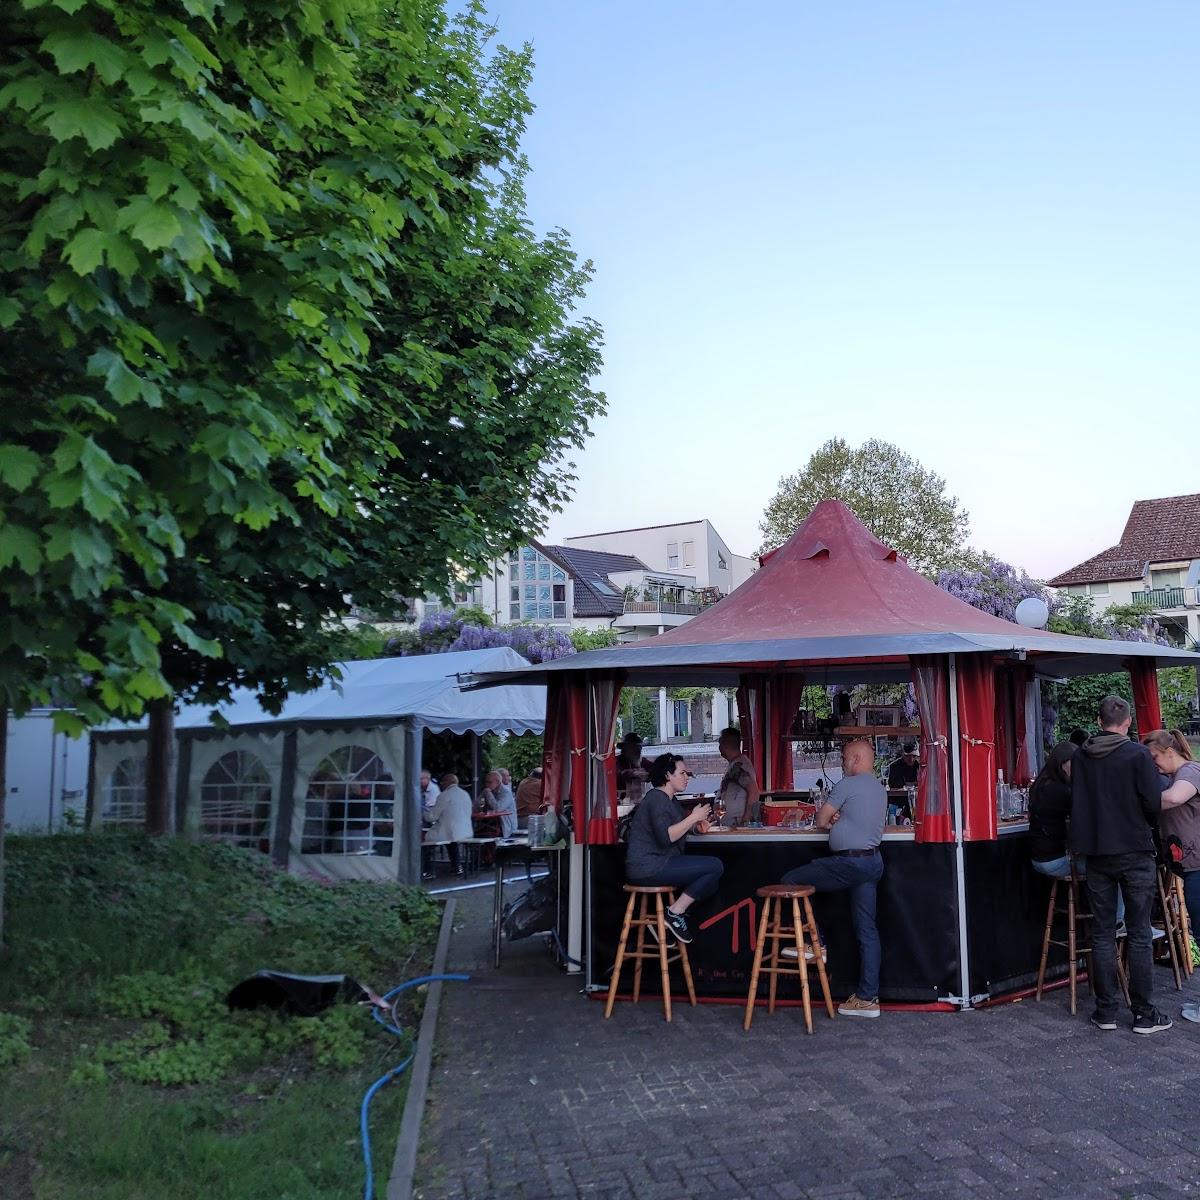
{"x":1191,"y":1012}
{"x":676,"y":925}
{"x":809,"y":953}
{"x":855,"y":1006}
{"x":1103,"y":1022}
{"x":1155,"y":1022}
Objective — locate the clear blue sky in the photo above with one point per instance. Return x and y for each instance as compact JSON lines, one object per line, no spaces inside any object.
{"x":969,"y":229}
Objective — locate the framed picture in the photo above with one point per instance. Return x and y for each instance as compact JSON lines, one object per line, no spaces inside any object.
{"x":879,"y":714}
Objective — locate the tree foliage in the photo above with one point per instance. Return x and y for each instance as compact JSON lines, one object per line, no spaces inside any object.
{"x":989,"y":584}
{"x":459,"y":629}
{"x":594,"y":639}
{"x":278,"y":335}
{"x":897,"y":499}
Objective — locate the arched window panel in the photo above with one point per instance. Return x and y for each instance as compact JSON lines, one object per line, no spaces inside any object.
{"x":350,"y":806}
{"x":235,"y":801}
{"x":124,"y":795}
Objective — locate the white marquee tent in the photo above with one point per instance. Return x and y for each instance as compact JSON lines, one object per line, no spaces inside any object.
{"x":330,"y":783}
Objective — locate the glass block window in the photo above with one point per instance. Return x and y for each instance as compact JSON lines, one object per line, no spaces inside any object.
{"x":350,"y":807}
{"x":528,"y":554}
{"x":558,"y":575}
{"x":543,"y":569}
{"x":529,"y":570}
{"x":124,"y":795}
{"x":235,"y":801}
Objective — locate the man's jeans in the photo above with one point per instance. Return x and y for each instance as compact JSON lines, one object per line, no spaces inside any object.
{"x":1060,"y":868}
{"x":860,"y":876}
{"x":1136,"y":875}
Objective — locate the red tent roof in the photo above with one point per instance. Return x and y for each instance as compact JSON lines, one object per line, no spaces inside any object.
{"x":834,"y":578}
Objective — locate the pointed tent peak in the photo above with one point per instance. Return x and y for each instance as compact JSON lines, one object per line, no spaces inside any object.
{"x":831,"y":529}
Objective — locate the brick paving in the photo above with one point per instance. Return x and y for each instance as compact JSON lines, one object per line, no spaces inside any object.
{"x":534,"y":1095}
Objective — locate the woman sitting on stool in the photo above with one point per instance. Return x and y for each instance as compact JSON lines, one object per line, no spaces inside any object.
{"x":1049,"y":808}
{"x":654,"y":856}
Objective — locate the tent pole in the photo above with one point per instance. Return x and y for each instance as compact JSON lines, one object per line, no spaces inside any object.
{"x":476,"y":764}
{"x":767,"y":739}
{"x":580,"y":882}
{"x":960,"y":873}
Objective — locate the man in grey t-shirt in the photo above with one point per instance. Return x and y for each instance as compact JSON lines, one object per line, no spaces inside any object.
{"x":854,"y":815}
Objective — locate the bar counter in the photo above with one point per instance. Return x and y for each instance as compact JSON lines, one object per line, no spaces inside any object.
{"x":917,"y":912}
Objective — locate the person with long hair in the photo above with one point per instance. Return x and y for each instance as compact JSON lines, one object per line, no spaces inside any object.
{"x":1049,"y":808}
{"x":1179,"y":820}
{"x":654,"y":853}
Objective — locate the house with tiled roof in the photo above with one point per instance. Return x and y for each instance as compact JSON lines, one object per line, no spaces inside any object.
{"x":1156,"y":563}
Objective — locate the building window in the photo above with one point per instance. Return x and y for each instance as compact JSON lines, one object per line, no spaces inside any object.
{"x":514,"y":611}
{"x":673,"y":555}
{"x":125,"y":795}
{"x":689,"y":554}
{"x":350,"y":807}
{"x":1098,"y":589}
{"x":235,"y":801}
{"x":559,"y":593}
{"x":681,"y":718}
{"x":1166,"y":579}
{"x":722,"y":565}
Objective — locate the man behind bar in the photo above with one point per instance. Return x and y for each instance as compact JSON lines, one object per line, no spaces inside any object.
{"x":1116,"y":795}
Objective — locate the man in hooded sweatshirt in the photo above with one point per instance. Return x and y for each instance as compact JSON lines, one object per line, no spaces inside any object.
{"x":1116,"y":794}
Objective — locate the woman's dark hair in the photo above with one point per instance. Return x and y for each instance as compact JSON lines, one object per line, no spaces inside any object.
{"x":1053,"y":771}
{"x":663,"y":766}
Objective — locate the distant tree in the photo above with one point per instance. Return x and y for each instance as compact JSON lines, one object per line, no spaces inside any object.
{"x":594,"y":639}
{"x":520,"y":753}
{"x":897,"y":499}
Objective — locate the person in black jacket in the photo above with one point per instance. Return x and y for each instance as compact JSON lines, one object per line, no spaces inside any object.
{"x":1049,"y":808}
{"x":1116,"y":795}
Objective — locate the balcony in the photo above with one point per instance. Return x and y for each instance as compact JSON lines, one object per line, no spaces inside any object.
{"x":667,"y":607}
{"x":1167,"y":597}
{"x":679,"y":608}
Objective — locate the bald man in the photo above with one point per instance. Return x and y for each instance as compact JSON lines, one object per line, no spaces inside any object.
{"x":854,"y":815}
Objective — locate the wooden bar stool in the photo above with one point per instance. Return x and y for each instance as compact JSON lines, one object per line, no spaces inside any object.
{"x":645,"y":919}
{"x":779,"y":925}
{"x":1074,"y":948}
{"x":1174,"y":918}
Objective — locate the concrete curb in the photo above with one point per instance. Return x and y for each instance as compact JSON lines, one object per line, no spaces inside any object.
{"x":404,"y":1163}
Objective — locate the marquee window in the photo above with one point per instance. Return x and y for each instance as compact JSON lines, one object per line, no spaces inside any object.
{"x":124,"y":802}
{"x":235,"y":801}
{"x":350,"y":807}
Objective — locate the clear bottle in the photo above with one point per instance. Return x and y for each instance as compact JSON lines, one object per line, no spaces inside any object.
{"x":1002,"y":803}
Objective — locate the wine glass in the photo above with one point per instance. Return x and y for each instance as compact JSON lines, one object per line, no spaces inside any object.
{"x":718,"y":809}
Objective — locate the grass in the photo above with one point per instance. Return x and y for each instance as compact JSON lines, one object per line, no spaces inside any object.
{"x":123,"y":1075}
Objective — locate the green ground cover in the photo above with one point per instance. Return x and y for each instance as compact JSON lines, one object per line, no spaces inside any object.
{"x":122,"y":1073}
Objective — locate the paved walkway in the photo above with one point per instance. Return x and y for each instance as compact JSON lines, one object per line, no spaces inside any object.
{"x":534,"y":1095}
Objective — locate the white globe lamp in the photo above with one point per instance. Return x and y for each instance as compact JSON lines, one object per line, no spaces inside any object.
{"x":1033,"y":613}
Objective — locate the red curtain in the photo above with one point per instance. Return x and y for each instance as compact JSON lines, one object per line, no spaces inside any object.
{"x":1146,"y":708}
{"x":555,"y":749}
{"x":750,"y":721}
{"x":602,"y":819}
{"x":977,"y":745}
{"x":1003,"y":720}
{"x":786,"y":692}
{"x":932,"y":818}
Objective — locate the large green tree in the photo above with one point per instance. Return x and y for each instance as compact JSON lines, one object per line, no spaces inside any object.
{"x":897,"y":499}
{"x":278,"y":335}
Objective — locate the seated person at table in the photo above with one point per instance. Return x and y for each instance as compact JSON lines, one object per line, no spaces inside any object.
{"x":449,"y":820}
{"x":1049,"y":808}
{"x":903,"y":772}
{"x":631,"y":769}
{"x":854,"y":815}
{"x":498,"y":799}
{"x":654,"y":854}
{"x":529,"y":797}
{"x":738,"y":789}
{"x":428,"y":789}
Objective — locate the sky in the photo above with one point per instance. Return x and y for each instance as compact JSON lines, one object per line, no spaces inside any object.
{"x":968,"y":229}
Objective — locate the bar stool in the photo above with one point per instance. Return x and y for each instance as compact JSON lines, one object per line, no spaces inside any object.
{"x":429,"y":854}
{"x":1074,"y":949}
{"x":644,"y":920}
{"x":1174,"y":923}
{"x":773,"y":929}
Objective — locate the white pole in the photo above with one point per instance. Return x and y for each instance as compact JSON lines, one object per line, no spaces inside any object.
{"x":577,"y":891}
{"x":964,"y":972}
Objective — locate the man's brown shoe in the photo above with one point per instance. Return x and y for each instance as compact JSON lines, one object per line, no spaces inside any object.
{"x":855,"y":1006}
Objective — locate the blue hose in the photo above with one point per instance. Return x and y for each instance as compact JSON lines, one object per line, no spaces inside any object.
{"x":393,"y":1073}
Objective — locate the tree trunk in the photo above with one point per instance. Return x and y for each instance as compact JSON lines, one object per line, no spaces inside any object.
{"x":3,"y":807}
{"x":160,"y":775}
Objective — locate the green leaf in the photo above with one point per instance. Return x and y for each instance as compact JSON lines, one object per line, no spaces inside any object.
{"x":309,"y":314}
{"x":20,"y":545}
{"x":78,"y":48}
{"x":85,"y":251}
{"x":156,"y":227}
{"x":10,"y":312}
{"x":119,"y":381}
{"x":19,"y":467}
{"x":91,"y":119}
